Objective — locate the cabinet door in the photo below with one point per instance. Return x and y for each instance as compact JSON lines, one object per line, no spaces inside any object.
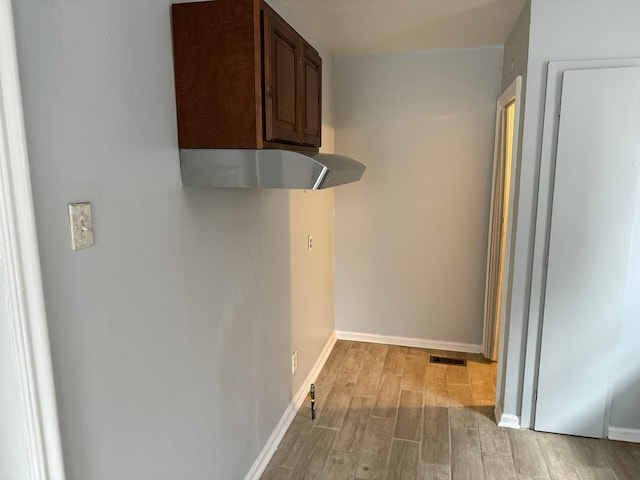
{"x":311,"y":96}
{"x":281,"y":79}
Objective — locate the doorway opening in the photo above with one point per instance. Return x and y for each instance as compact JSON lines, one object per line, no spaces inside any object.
{"x":501,"y":231}
{"x":500,"y":212}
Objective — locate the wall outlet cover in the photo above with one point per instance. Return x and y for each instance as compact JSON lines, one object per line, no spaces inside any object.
{"x":81,"y":225}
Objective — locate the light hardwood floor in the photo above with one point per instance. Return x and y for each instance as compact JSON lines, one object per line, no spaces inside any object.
{"x":385,"y":412}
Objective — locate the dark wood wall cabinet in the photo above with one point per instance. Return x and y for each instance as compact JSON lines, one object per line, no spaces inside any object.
{"x":244,"y":78}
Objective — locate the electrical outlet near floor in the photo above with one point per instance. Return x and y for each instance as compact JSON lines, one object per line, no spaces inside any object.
{"x":294,"y":362}
{"x":310,"y":242}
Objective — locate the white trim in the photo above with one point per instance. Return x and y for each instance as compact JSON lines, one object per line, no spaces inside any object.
{"x":261,"y":462}
{"x":19,"y":248}
{"x":513,"y":93}
{"x":624,"y":434}
{"x":506,"y":420}
{"x":410,"y":342}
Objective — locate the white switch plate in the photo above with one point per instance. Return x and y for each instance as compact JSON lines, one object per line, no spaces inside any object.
{"x":294,"y":362}
{"x":81,"y":225}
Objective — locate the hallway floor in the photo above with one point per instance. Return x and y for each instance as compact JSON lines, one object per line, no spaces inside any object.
{"x":386,"y":412}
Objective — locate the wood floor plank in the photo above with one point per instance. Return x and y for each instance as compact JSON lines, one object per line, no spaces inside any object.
{"x":292,"y":444}
{"x":621,"y":460}
{"x":462,"y":417}
{"x":352,"y":363}
{"x":417,"y":352}
{"x":388,"y":396}
{"x":403,"y":463}
{"x":436,"y":373}
{"x":485,"y":416}
{"x":332,"y":406}
{"x":494,"y":440}
{"x":590,"y":451}
{"x":276,"y":473}
{"x":435,"y":387}
{"x":414,"y":373}
{"x":340,"y":466}
{"x":370,"y":374}
{"x":459,"y":395}
{"x":349,"y":438}
{"x":336,"y":357}
{"x":372,"y":468}
{"x":315,"y":453}
{"x":527,"y":456}
{"x":377,"y":437}
{"x":595,"y":473}
{"x":457,"y":374}
{"x":409,"y":415}
{"x":482,"y":394}
{"x":466,"y":458}
{"x":435,"y":436}
{"x":360,"y":345}
{"x":394,"y":361}
{"x":481,"y":373}
{"x":498,"y":466}
{"x":378,"y":351}
{"x":429,"y":471}
{"x":559,"y":456}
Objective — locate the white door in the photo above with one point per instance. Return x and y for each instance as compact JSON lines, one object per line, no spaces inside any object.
{"x":593,"y":196}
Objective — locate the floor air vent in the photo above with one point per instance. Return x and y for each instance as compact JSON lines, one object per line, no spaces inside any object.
{"x":448,"y":361}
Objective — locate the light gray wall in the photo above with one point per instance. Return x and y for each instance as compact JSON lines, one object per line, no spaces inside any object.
{"x":411,"y":236}
{"x":625,"y":410}
{"x":311,"y":213}
{"x":516,"y":48}
{"x":563,"y":30}
{"x":516,"y":52}
{"x":171,"y":337}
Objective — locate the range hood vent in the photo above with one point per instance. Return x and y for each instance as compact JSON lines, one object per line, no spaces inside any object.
{"x":266,"y":169}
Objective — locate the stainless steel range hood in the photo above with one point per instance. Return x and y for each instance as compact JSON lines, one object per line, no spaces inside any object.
{"x":266,"y":169}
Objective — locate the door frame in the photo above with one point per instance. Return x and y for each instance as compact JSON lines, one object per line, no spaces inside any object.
{"x":555,"y":70}
{"x":27,"y":322}
{"x":512,"y":94}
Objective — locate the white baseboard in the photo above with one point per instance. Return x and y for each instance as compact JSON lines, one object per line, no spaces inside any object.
{"x":261,"y":462}
{"x":624,"y":434}
{"x":505,"y":419}
{"x":509,"y":421}
{"x":410,"y":342}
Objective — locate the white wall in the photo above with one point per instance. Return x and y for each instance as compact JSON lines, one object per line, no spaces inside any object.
{"x":625,"y":410}
{"x":311,"y":213}
{"x":562,"y":30}
{"x":171,"y":337}
{"x":411,"y":236}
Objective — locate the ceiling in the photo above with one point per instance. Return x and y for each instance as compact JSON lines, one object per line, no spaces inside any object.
{"x":368,"y":26}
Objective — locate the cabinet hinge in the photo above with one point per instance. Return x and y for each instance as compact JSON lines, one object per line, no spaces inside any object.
{"x":559,"y":109}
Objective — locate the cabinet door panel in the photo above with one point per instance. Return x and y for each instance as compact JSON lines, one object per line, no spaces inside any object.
{"x":281,"y":82}
{"x":311,"y":98}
